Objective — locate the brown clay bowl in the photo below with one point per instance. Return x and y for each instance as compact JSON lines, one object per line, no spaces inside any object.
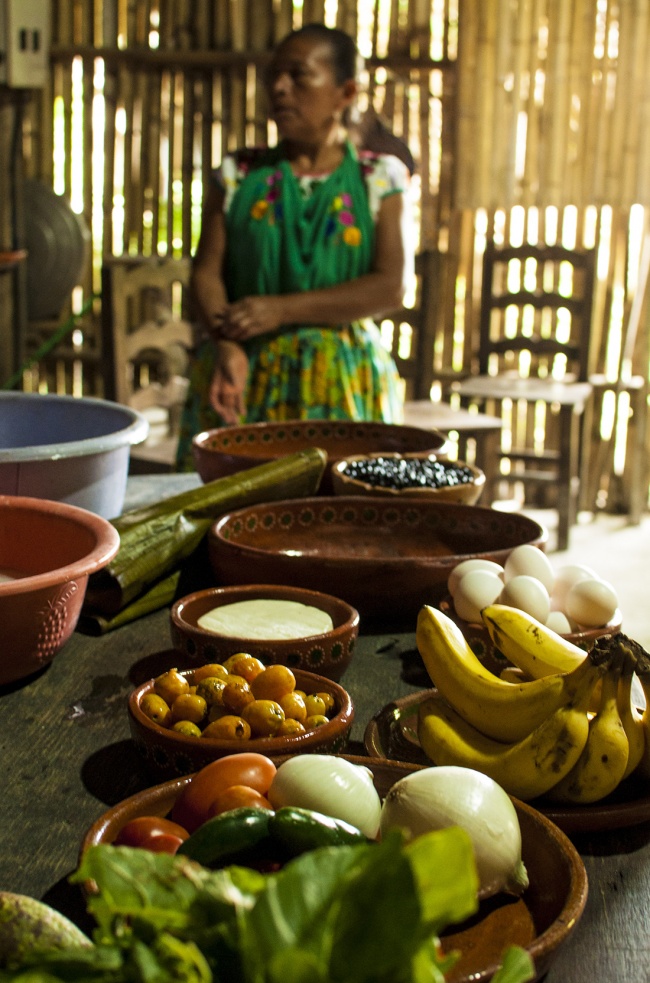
{"x":385,"y":558}
{"x":482,"y":645}
{"x":169,"y":753}
{"x":541,"y":921}
{"x":50,"y":549}
{"x":227,"y":450}
{"x":467,"y":492}
{"x":328,"y":653}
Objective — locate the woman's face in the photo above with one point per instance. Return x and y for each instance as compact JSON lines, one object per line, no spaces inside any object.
{"x":306,"y":101}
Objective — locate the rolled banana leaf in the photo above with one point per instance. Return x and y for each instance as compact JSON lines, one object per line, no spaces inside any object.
{"x":156,"y":539}
{"x":160,"y":595}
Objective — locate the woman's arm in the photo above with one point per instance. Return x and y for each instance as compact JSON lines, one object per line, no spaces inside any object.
{"x":371,"y":295}
{"x":206,"y":282}
{"x":209,"y":292}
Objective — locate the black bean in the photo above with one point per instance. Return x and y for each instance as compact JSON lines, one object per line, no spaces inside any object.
{"x":388,"y":472}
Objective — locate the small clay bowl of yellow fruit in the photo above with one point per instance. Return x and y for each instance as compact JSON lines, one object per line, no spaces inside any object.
{"x":183,"y":720}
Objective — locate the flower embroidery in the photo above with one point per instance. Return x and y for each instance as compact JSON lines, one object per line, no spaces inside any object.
{"x":259,"y":209}
{"x":352,"y":235}
{"x":342,"y":215}
{"x":272,"y":197}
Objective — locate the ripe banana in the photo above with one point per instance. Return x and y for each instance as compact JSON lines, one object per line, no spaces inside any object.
{"x":602,"y":763}
{"x":528,"y":644}
{"x":526,"y":768}
{"x":631,"y":718}
{"x":505,"y":711}
{"x":643,"y":673}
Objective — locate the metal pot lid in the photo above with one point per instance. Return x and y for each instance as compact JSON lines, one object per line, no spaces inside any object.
{"x":57,"y":241}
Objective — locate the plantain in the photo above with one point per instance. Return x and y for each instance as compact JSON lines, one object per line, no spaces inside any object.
{"x":528,"y":644}
{"x":603,"y":761}
{"x":527,"y":768}
{"x":504,"y":710}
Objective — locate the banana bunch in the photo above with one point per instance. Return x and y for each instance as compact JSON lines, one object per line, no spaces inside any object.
{"x":564,"y":727}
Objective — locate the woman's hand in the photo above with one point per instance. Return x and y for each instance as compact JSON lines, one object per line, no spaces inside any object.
{"x":249,"y":317}
{"x":229,"y":382}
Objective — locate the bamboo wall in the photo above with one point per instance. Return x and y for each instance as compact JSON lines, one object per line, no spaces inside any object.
{"x":146,"y":96}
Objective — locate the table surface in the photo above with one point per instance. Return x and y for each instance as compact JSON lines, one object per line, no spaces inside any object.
{"x":67,"y":756}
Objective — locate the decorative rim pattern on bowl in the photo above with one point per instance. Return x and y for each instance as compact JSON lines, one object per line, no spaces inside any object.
{"x":335,"y":652}
{"x":354,"y":511}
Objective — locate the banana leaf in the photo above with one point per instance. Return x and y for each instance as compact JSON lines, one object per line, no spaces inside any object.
{"x":162,"y":594}
{"x":156,"y":539}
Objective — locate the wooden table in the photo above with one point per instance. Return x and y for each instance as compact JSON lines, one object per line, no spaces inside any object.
{"x":67,"y":756}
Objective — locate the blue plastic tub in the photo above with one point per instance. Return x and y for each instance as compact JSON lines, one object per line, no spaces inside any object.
{"x":67,"y":449}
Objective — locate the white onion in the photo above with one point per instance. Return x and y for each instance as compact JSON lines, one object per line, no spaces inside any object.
{"x":436,"y":798}
{"x":331,"y":785}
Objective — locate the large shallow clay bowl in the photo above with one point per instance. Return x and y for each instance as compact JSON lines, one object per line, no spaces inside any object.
{"x":67,"y":448}
{"x":227,"y":450}
{"x":49,"y":549}
{"x":482,"y":645}
{"x":467,"y":491}
{"x":169,"y":753}
{"x":386,"y":559}
{"x":541,"y":921}
{"x":327,"y":653}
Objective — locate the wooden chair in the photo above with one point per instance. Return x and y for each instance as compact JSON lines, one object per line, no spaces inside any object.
{"x":474,"y":435}
{"x":532,"y":369}
{"x":146,"y":342}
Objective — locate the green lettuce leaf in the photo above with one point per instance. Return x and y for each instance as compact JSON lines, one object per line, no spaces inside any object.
{"x":369,"y":913}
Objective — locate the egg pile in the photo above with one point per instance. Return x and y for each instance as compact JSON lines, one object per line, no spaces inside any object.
{"x":569,"y":600}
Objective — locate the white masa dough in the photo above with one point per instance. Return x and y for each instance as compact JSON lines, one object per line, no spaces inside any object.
{"x":266,"y":618}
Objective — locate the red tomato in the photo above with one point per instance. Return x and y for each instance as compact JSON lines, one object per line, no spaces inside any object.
{"x":236,"y":797}
{"x":165,"y":843}
{"x":152,"y":833}
{"x":244,"y":768}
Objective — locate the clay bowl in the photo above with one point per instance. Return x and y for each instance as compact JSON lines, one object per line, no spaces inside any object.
{"x":169,"y":753}
{"x":385,"y":558}
{"x":227,"y":450}
{"x":328,"y":653}
{"x":482,"y":645}
{"x":541,"y":921}
{"x":49,"y":548}
{"x":467,"y":492}
{"x":69,"y":449}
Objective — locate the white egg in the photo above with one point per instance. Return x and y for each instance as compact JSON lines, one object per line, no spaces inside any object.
{"x":476,"y":590}
{"x":591,"y":603}
{"x":465,"y":566}
{"x":529,"y":595}
{"x":558,"y":621}
{"x":565,"y":578}
{"x":530,"y":560}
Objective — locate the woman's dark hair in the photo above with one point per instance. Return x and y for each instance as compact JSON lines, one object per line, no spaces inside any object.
{"x":346,"y":60}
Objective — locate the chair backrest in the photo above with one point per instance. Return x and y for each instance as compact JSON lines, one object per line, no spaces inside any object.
{"x":536,"y":311}
{"x":145,"y":335}
{"x":412,"y":337}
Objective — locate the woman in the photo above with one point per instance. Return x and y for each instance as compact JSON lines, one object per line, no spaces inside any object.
{"x":301,"y":245}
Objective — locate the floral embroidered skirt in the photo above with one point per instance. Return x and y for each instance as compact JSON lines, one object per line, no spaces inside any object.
{"x":302,"y":374}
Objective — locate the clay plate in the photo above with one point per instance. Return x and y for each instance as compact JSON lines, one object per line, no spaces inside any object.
{"x":385,"y":558}
{"x":541,"y":921}
{"x":467,"y":492}
{"x":392,"y":733}
{"x":227,"y":450}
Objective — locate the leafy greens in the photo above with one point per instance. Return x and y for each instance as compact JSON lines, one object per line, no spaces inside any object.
{"x":370,"y":913}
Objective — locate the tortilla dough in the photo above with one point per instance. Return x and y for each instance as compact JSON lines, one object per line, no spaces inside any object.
{"x":264,"y":618}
